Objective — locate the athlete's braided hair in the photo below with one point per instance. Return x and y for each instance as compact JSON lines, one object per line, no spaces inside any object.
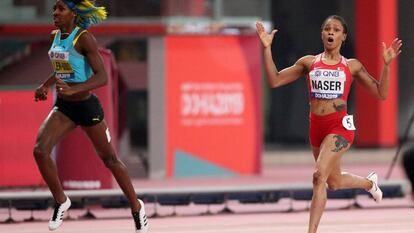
{"x":87,"y":13}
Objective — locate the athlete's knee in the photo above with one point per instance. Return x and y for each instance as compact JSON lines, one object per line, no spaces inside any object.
{"x":40,"y":152}
{"x":110,"y":161}
{"x":318,"y":178}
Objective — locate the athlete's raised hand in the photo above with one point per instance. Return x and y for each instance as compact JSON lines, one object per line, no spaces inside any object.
{"x":265,"y":37}
{"x":391,"y":52}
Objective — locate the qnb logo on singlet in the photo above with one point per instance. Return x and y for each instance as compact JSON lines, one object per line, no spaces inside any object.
{"x":59,"y":56}
{"x":327,"y":84}
{"x":60,"y":63}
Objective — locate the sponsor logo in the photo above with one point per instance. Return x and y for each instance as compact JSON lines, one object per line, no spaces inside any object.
{"x":60,"y":56}
{"x":212,"y":103}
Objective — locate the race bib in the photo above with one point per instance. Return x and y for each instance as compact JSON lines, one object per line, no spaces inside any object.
{"x":60,"y":63}
{"x":348,"y":122}
{"x":62,"y":67}
{"x":327,"y":84}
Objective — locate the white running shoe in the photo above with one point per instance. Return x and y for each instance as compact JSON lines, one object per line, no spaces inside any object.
{"x":140,"y":218}
{"x":375,"y":190}
{"x":58,"y":213}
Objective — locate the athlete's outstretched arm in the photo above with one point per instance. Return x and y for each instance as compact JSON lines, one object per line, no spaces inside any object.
{"x":278,"y":78}
{"x":377,"y":88}
{"x":89,"y":49}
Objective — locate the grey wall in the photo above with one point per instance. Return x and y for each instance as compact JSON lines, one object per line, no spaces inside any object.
{"x":157,"y":124}
{"x":232,"y":8}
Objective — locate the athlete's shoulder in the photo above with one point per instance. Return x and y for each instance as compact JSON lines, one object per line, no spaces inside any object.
{"x":353,"y":63}
{"x":85,"y":36}
{"x":352,"y":60}
{"x":306,"y":60}
{"x":85,"y":42}
{"x":82,"y":33}
{"x":308,"y":57}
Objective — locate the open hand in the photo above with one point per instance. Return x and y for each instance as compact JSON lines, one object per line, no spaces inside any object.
{"x":265,"y":37}
{"x":391,"y":52}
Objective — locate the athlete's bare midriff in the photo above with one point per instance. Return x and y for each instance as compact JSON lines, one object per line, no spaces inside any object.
{"x":76,"y":97}
{"x":324,"y":107}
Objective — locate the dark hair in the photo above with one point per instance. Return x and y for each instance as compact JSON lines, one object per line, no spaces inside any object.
{"x":340,"y":19}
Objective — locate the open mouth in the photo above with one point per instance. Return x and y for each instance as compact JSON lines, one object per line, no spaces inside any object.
{"x":330,"y":40}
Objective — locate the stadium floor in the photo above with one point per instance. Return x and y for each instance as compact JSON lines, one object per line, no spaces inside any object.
{"x":350,"y":216}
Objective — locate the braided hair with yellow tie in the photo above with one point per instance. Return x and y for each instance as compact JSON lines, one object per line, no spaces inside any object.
{"x":87,"y":13}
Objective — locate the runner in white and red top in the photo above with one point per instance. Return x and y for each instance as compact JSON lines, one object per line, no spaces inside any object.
{"x":329,"y":81}
{"x":331,"y":133}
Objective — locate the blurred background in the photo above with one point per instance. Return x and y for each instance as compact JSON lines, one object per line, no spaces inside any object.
{"x":166,"y":55}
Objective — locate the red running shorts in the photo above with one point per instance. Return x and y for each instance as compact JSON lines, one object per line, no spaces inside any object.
{"x":321,"y":126}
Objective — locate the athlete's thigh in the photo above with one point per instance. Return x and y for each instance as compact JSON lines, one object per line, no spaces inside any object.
{"x":332,"y":148}
{"x":315,"y":152}
{"x":100,"y":137}
{"x":336,"y":174}
{"x":53,"y":129}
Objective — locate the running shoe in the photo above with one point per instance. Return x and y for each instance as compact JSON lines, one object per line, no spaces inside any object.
{"x":140,"y":218}
{"x":58,"y":213}
{"x":375,"y":190}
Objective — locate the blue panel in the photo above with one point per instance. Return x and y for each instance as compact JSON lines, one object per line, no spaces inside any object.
{"x":187,"y":165}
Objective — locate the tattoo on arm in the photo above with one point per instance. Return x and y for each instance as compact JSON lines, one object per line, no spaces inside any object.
{"x":340,"y":143}
{"x":339,"y":107}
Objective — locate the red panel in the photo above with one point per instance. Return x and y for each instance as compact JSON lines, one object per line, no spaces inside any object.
{"x":389,"y":109}
{"x":213,"y":100}
{"x":105,"y":29}
{"x":20,"y":118}
{"x":376,"y":21}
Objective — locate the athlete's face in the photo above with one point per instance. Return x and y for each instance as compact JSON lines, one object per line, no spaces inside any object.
{"x":333,"y":34}
{"x":62,"y":15}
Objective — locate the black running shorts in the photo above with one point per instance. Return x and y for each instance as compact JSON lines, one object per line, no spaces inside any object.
{"x":84,"y":113}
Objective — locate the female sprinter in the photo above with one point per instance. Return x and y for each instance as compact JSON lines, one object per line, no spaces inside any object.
{"x":329,"y":76}
{"x":78,"y":69}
